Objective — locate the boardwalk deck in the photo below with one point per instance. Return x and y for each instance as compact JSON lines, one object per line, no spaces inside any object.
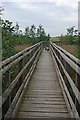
{"x":43,"y":97}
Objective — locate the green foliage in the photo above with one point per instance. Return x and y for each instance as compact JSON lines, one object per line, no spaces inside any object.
{"x":36,"y":34}
{"x":70,"y":39}
{"x":72,"y":35}
{"x":7,"y":49}
{"x":70,"y":31}
{"x":7,"y":41}
{"x":12,"y":36}
{"x":32,"y":32}
{"x":27,"y":31}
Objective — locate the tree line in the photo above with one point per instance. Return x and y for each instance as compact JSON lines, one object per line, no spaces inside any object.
{"x":72,"y":36}
{"x":13,"y":35}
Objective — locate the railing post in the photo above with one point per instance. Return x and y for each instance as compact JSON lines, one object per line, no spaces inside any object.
{"x":6,"y":79}
{"x":67,"y":67}
{"x":20,"y":68}
{"x":59,"y":56}
{"x":9,"y":84}
{"x":78,"y":86}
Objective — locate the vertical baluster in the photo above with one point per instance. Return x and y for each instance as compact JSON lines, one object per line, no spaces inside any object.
{"x":61,"y":60}
{"x":5,"y":85}
{"x":67,"y":68}
{"x":27,"y":60}
{"x":20,"y":68}
{"x":9,"y":85}
{"x":0,"y":94}
{"x":77,"y":83}
{"x":30,"y":56}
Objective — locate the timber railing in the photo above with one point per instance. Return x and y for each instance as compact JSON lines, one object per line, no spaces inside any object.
{"x":68,"y":70}
{"x":17,"y":71}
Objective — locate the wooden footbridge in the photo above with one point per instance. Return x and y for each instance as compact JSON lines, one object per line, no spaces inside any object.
{"x":41,"y":84}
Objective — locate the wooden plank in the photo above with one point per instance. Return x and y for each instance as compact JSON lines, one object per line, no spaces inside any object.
{"x":41,"y":114}
{"x":51,"y":110}
{"x":45,"y":102}
{"x":43,"y":106}
{"x":43,"y":96}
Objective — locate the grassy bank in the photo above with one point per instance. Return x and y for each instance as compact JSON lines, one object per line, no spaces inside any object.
{"x":73,"y":49}
{"x":19,"y":48}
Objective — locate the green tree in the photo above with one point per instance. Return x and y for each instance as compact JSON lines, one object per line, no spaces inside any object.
{"x":27,"y":32}
{"x":17,"y":29}
{"x":7,"y":29}
{"x":32,"y":32}
{"x":7,"y":41}
{"x":70,"y":35}
{"x":41,"y":32}
{"x":70,"y":31}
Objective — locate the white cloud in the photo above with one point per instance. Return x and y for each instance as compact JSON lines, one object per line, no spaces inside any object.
{"x":26,"y":5}
{"x":50,"y":13}
{"x":72,"y":3}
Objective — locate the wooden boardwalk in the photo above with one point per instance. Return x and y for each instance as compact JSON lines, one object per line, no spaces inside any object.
{"x":43,"y":97}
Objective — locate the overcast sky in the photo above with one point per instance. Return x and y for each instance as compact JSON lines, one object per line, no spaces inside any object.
{"x":55,"y":15}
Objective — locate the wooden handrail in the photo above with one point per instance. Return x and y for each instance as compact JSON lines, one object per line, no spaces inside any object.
{"x":72,"y":89}
{"x":14,"y":88}
{"x":68,"y":60}
{"x":12,"y":58}
{"x":73,"y":58}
